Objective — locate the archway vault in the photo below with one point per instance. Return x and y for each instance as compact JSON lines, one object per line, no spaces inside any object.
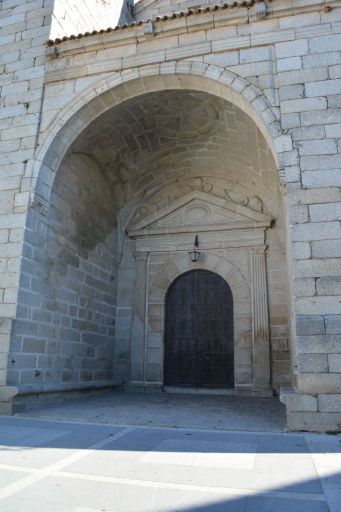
{"x":110,"y":92}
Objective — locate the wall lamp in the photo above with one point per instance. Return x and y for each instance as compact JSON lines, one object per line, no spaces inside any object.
{"x":194,"y":255}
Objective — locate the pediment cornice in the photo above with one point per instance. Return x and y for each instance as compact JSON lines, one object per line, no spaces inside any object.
{"x":199,"y":212}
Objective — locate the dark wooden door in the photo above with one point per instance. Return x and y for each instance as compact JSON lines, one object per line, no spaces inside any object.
{"x":199,"y":332}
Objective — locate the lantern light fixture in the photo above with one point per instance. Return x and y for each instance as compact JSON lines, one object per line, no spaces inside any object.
{"x":194,"y":254}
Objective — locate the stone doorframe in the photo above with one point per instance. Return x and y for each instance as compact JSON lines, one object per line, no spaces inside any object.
{"x":251,"y":327}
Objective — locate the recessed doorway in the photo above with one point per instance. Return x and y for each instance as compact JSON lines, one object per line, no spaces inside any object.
{"x":199,"y":344}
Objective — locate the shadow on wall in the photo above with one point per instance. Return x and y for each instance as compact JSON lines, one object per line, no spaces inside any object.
{"x":64,"y":332}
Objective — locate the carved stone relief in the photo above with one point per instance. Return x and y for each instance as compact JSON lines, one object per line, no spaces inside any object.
{"x":163,"y":233}
{"x":181,"y":116}
{"x":179,"y":190}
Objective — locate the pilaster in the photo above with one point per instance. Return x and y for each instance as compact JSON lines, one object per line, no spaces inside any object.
{"x":139,"y":319}
{"x":260,"y":323}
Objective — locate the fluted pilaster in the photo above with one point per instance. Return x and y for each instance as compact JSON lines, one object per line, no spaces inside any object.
{"x":260,"y":323}
{"x":139,"y":319}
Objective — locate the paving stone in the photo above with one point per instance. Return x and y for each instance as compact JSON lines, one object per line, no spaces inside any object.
{"x":195,"y":468}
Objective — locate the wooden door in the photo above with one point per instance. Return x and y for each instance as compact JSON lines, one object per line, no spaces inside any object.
{"x":199,"y":332}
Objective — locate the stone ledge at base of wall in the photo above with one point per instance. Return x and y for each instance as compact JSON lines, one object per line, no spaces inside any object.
{"x":158,"y":387}
{"x":312,"y":413}
{"x":143,"y":387}
{"x":13,"y":400}
{"x":7,"y":394}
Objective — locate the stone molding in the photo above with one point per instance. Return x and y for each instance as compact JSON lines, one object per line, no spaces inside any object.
{"x":241,"y":217}
{"x":40,"y":204}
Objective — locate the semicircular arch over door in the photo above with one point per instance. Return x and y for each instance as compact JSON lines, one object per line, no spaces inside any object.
{"x":199,"y":334}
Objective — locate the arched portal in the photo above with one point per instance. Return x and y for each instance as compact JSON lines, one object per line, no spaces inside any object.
{"x":119,"y":199}
{"x":199,"y":334}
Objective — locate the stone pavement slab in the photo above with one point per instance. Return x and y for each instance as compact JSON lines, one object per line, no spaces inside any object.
{"x":225,"y":412}
{"x":65,"y":466}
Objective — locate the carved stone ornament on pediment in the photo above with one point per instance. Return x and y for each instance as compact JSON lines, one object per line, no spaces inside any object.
{"x":199,"y":184}
{"x":181,"y":188}
{"x":253,"y":202}
{"x":196,"y":212}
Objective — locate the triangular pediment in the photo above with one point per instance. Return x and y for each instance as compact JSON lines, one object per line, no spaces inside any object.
{"x":199,"y":212}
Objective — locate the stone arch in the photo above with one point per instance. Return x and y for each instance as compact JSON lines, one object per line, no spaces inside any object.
{"x":179,"y":264}
{"x":84,"y":274}
{"x":109,"y":92}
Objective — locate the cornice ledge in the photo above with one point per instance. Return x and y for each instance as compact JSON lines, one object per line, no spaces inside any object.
{"x":163,"y":28}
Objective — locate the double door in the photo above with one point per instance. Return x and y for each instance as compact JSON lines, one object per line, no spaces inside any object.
{"x":199,"y":332}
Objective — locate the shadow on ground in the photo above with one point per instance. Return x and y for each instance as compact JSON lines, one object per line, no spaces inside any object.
{"x":84,"y":466}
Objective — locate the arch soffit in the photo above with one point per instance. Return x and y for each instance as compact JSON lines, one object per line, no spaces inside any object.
{"x":180,"y":264}
{"x":109,"y":92}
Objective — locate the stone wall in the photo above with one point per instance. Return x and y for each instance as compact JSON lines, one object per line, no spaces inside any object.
{"x":25,"y":25}
{"x":63,"y":336}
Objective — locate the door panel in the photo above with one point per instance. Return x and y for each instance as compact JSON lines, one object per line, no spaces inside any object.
{"x":199,"y":332}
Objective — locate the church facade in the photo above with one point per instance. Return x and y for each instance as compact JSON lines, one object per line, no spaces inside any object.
{"x":170,"y":211}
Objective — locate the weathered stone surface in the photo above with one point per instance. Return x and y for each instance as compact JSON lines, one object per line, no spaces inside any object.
{"x":297,"y":401}
{"x":316,"y":231}
{"x":304,"y":287}
{"x":329,"y":403}
{"x":318,"y":268}
{"x":314,"y":421}
{"x":306,"y":325}
{"x":333,"y":324}
{"x":334,"y":361}
{"x":312,"y":363}
{"x":326,"y":248}
{"x":319,"y":344}
{"x":325,"y":212}
{"x":328,"y":285}
{"x":316,"y":383}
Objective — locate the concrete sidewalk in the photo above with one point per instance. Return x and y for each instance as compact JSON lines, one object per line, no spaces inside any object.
{"x":55,"y":466}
